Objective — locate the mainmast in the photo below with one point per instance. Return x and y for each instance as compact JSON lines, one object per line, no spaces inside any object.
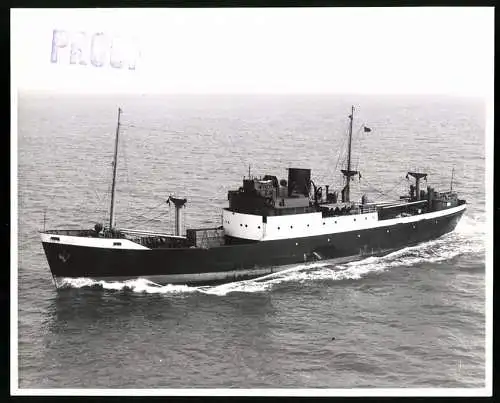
{"x":113,"y":185}
{"x":347,"y":172}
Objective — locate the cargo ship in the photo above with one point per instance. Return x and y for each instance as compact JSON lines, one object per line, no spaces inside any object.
{"x":267,"y":225}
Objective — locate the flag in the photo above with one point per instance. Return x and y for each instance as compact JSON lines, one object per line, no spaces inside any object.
{"x":366,"y":129}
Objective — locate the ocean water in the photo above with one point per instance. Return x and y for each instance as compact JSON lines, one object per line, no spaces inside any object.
{"x":414,"y":318}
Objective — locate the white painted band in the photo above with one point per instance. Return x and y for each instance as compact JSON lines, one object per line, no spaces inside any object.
{"x":195,"y":277}
{"x":111,"y":243}
{"x":345,"y":224}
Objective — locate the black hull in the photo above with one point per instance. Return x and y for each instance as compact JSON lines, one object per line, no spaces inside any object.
{"x":238,"y":261}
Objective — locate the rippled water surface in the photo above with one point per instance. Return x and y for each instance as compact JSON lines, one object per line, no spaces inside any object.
{"x":414,"y":318}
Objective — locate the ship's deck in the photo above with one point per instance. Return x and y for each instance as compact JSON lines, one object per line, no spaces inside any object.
{"x":148,"y":239}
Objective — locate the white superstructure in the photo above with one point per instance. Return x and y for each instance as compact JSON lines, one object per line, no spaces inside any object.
{"x":253,"y":227}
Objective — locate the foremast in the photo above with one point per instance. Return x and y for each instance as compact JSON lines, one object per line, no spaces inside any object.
{"x":113,"y":184}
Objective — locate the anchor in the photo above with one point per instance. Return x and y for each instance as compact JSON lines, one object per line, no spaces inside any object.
{"x":317,"y":256}
{"x":314,"y":256}
{"x":64,"y":256}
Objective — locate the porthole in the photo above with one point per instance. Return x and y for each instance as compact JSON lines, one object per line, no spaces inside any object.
{"x":241,"y":225}
{"x":436,"y":221}
{"x":323,"y":223}
{"x":413,"y":226}
{"x":291,"y":226}
{"x":246,"y":226}
{"x":335,"y":222}
{"x":328,"y":239}
{"x":258,"y":227}
{"x":354,"y":219}
{"x":359,"y":236}
{"x":308,"y":225}
{"x":296,"y":244}
{"x":278,"y":227}
{"x":387,"y":230}
{"x":366,"y":218}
